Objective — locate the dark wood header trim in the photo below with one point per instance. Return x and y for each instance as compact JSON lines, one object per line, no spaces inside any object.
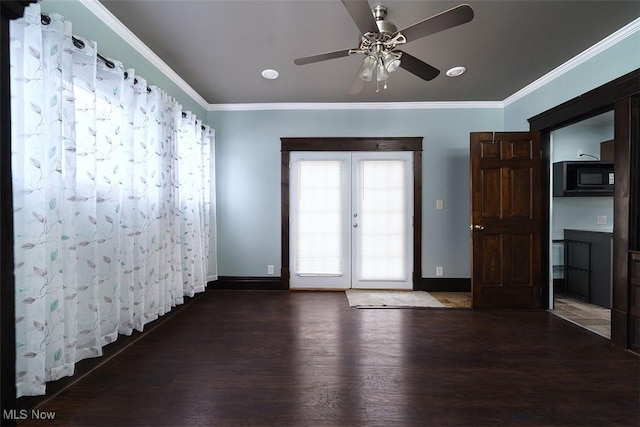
{"x":352,"y":144}
{"x":589,"y":104}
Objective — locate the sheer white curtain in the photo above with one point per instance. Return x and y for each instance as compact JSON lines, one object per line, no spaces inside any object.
{"x":112,"y":200}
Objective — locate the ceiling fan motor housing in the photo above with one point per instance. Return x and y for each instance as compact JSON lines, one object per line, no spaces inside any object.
{"x":384,"y":40}
{"x":384,"y":27}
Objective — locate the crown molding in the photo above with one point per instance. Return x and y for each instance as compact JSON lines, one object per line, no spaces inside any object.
{"x":128,"y":36}
{"x":356,"y":106}
{"x":624,"y":32}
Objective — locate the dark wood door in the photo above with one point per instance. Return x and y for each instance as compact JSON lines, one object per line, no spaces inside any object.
{"x":506,"y":219}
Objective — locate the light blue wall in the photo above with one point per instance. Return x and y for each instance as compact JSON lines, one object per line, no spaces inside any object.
{"x":579,"y":213}
{"x":566,"y":141}
{"x":248,"y":150}
{"x":248,"y":178}
{"x":110,"y":44}
{"x":248,"y":167}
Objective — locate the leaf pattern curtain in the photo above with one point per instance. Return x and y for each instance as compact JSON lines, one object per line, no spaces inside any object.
{"x":112,"y":200}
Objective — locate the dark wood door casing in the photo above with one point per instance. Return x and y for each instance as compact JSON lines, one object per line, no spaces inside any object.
{"x":620,"y":95}
{"x":625,"y":308}
{"x":634,"y":301}
{"x":506,"y":213}
{"x":351,"y":144}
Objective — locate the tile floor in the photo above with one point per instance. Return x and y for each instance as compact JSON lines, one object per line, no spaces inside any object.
{"x":592,"y":317}
{"x":453,"y":299}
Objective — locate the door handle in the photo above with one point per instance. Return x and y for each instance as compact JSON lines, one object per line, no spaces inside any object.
{"x":476,"y":227}
{"x":355,"y":225}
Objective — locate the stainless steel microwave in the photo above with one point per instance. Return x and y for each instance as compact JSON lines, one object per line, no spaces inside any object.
{"x":583,"y":178}
{"x":595,"y":178}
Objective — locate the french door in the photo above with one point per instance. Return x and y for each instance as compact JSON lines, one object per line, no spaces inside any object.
{"x":351,"y":220}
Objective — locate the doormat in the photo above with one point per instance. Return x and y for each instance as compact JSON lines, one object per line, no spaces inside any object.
{"x":390,"y":299}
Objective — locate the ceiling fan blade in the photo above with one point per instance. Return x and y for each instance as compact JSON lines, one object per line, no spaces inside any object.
{"x":357,"y":85}
{"x":449,"y":18}
{"x":321,"y":57}
{"x":360,"y":12}
{"x":417,"y":67}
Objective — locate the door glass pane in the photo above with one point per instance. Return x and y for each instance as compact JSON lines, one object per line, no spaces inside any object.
{"x":383,"y":216}
{"x":319,"y":218}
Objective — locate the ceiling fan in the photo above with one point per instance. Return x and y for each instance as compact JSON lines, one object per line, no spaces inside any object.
{"x":380,"y":39}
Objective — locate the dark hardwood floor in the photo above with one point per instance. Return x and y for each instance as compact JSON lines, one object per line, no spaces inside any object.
{"x":307,"y":359}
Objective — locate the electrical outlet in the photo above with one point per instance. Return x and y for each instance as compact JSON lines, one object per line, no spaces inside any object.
{"x":270,"y":269}
{"x":580,"y":152}
{"x":439,"y":271}
{"x":439,"y":204}
{"x":601,"y":219}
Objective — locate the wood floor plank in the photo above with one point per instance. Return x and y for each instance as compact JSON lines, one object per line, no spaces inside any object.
{"x":308,"y":359}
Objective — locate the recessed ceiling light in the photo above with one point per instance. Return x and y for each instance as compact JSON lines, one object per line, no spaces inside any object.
{"x":270,"y":74}
{"x":456,"y":71}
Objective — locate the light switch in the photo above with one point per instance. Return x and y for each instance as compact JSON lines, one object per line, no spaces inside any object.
{"x":439,"y":204}
{"x":601,"y":219}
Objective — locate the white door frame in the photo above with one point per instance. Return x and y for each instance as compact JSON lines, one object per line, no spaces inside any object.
{"x":350,"y":208}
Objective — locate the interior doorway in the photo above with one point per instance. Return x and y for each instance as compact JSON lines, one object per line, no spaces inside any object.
{"x":351,"y":217}
{"x":581,"y":222}
{"x":621,"y":95}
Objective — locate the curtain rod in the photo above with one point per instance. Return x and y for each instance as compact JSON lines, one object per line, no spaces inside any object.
{"x":80,"y":45}
{"x":184,"y":115}
{"x":77,"y":42}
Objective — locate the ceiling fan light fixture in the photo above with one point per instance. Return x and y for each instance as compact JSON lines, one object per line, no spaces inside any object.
{"x":365,"y":74}
{"x":456,"y":71}
{"x":391,"y":61}
{"x":382,"y":73}
{"x":366,"y":70}
{"x":369,"y":62}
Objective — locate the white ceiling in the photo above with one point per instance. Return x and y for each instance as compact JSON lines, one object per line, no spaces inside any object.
{"x":220,"y":47}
